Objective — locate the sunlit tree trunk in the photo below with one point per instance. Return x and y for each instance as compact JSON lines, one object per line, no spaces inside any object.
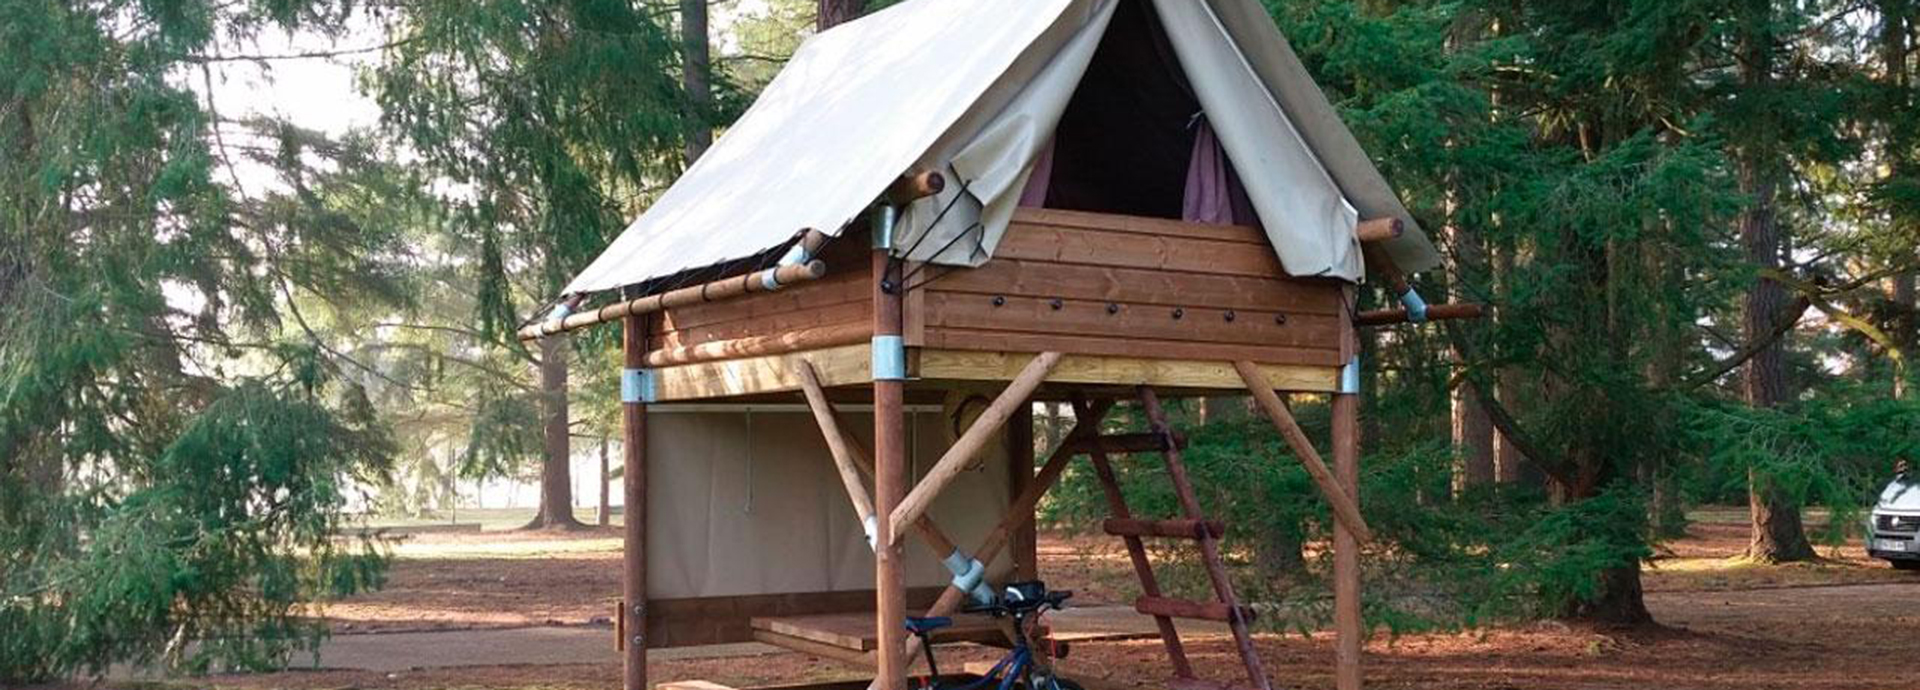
{"x":605,"y":516}
{"x":556,"y":473}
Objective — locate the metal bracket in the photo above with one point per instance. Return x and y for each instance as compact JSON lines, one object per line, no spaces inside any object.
{"x":872,"y":527}
{"x":638,"y":386}
{"x":1416,"y":307}
{"x":885,"y":217}
{"x":889,"y":358}
{"x":1350,"y":377}
{"x":969,"y":575}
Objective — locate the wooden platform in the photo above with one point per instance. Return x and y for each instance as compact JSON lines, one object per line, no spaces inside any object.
{"x":850,"y":636}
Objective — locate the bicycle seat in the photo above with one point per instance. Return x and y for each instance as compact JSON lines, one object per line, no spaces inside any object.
{"x":922,"y":626}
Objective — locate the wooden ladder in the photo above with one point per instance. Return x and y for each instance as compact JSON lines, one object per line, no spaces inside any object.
{"x":1192,"y":525}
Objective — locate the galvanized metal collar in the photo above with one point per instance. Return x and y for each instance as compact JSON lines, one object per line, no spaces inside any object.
{"x":1350,"y":377}
{"x":885,"y":217}
{"x":889,"y":358}
{"x":638,"y":386}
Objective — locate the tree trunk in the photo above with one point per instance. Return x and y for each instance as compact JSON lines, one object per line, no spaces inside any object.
{"x":1896,"y":38}
{"x":1622,"y":601}
{"x":1472,"y":442}
{"x":605,"y":516}
{"x":1510,"y":465}
{"x":556,"y":473}
{"x":836,"y":12}
{"x":1777,"y":533}
{"x":697,"y":77}
{"x":1906,"y":329}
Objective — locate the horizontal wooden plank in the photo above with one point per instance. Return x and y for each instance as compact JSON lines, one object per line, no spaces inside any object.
{"x":1129,"y":321}
{"x":1164,"y":227}
{"x":1129,"y":250}
{"x":854,"y":631}
{"x":839,"y":366}
{"x":1181,"y":608}
{"x":772,"y":324}
{"x":1037,"y":278}
{"x":963,"y":365}
{"x":816,"y":648}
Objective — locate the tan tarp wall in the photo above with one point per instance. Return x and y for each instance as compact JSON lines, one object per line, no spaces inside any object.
{"x":744,"y":504}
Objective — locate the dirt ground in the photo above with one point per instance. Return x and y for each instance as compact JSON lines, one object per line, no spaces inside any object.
{"x":1848,"y":622}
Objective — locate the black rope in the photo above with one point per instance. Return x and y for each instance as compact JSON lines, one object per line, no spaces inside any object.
{"x":978,"y":246}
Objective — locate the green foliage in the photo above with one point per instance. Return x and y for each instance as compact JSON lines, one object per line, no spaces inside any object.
{"x":177,"y":442}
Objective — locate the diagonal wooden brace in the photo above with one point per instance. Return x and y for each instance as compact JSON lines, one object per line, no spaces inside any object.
{"x":976,"y":437}
{"x":1345,"y":509}
{"x":840,"y":446}
{"x":855,"y":463}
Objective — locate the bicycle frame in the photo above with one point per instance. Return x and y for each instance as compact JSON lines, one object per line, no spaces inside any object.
{"x":1017,"y":666}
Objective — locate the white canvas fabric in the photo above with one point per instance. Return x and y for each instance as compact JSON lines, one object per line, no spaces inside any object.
{"x":853,"y":109}
{"x":742,"y":504}
{"x":989,"y":155}
{"x":975,"y":87}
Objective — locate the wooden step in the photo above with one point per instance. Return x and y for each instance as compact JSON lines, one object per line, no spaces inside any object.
{"x":1182,"y":608}
{"x":1116,"y":444}
{"x":1175,"y":529}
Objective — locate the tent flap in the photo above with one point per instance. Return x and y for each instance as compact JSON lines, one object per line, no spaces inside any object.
{"x":1305,"y":215}
{"x":853,"y":109}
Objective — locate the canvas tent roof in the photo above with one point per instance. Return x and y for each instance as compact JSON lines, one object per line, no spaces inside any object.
{"x":976,"y":88}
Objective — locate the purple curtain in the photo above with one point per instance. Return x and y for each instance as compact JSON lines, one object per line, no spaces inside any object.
{"x":1214,"y":193}
{"x":1035,"y":195}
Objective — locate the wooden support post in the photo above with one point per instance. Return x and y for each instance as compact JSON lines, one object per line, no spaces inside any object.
{"x":1024,"y":545}
{"x":890,"y":469}
{"x":1345,"y":509}
{"x":634,"y":548}
{"x":1349,"y":633}
{"x":955,"y":460}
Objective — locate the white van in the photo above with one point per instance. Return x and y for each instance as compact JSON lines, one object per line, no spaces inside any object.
{"x":1893,"y":530}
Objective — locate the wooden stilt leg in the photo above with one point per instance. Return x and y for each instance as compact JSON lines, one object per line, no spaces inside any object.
{"x":634,"y":548}
{"x":890,"y":479}
{"x":1346,"y":548}
{"x":1025,"y":542}
{"x":1349,"y":630}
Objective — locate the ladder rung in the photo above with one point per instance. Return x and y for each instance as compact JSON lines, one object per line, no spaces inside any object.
{"x":1182,"y":608}
{"x":1177,"y":529}
{"x":1130,"y":443}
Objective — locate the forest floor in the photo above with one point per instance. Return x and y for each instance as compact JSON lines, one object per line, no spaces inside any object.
{"x":1847,"y":622}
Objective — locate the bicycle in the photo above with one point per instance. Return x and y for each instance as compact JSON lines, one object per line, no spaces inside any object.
{"x":1021,"y":668}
